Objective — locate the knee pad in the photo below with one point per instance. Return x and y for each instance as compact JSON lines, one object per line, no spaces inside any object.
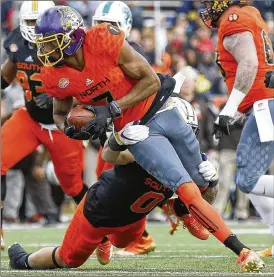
{"x":3,"y":187}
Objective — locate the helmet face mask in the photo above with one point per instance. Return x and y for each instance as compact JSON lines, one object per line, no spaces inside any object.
{"x":188,"y":113}
{"x":116,"y":13}
{"x":29,"y":12}
{"x":213,"y":11}
{"x":49,"y":50}
{"x":59,"y":33}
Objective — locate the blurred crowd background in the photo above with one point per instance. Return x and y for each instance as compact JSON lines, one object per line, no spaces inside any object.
{"x":185,"y":44}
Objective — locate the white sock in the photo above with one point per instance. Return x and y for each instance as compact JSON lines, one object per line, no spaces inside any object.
{"x":265,"y":207}
{"x":265,"y":186}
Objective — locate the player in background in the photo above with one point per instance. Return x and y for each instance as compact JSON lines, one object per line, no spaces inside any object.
{"x":120,"y":75}
{"x":114,"y":206}
{"x":119,"y":14}
{"x":244,"y":55}
{"x":269,"y":252}
{"x":33,"y":124}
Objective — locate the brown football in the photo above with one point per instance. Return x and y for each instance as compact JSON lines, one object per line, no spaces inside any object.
{"x":79,"y":117}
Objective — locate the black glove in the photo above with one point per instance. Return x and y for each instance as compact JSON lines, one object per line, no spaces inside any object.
{"x":103,"y":118}
{"x":223,"y":127}
{"x":269,"y":79}
{"x":44,"y":101}
{"x":73,"y":133}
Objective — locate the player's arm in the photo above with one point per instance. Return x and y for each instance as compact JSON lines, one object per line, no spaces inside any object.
{"x":61,"y":108}
{"x":114,"y":150}
{"x":8,"y":73}
{"x":116,"y":157}
{"x":242,"y":47}
{"x":136,"y":67}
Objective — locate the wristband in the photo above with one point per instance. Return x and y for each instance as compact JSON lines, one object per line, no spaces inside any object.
{"x":114,"y":146}
{"x":235,"y":99}
{"x":115,"y":109}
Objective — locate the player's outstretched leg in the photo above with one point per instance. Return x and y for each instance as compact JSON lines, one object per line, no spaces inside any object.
{"x":80,"y":241}
{"x":44,"y":258}
{"x":209,"y":218}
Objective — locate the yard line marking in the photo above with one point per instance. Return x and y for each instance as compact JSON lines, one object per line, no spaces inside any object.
{"x":131,"y":272}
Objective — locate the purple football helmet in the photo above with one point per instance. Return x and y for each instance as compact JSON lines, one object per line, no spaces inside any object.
{"x":59,"y":30}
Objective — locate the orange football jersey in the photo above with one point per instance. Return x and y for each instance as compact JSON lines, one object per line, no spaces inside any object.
{"x":102,"y":80}
{"x":237,"y":20}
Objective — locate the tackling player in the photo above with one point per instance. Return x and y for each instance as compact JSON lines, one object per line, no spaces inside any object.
{"x":244,"y":55}
{"x":33,"y":124}
{"x":98,"y":67}
{"x":115,"y":206}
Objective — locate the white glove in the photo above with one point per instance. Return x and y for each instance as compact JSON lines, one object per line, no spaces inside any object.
{"x":208,"y":171}
{"x":131,"y":134}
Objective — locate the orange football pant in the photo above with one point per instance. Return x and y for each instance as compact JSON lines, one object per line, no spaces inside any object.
{"x":21,"y":135}
{"x":81,"y":238}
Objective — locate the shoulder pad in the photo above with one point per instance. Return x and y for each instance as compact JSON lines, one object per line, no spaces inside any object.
{"x":12,"y":42}
{"x":14,"y":37}
{"x":137,"y":48}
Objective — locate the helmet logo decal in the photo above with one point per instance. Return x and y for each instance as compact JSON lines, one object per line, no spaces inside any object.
{"x":114,"y":30}
{"x":127,"y":16}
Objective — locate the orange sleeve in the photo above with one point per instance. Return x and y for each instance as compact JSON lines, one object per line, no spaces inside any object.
{"x":236,"y":21}
{"x":106,"y":38}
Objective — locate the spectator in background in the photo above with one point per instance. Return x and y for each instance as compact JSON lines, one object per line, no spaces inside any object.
{"x":148,"y":45}
{"x":206,"y":44}
{"x":191,"y":57}
{"x":227,"y":158}
{"x":6,"y":9}
{"x":207,"y":66}
{"x":135,"y":36}
{"x":204,"y":114}
{"x":137,"y":15}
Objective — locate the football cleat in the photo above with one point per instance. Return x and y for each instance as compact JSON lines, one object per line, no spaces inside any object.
{"x":250,"y":261}
{"x":143,"y":245}
{"x":173,"y":219}
{"x":18,"y":257}
{"x":269,"y":252}
{"x":194,"y":227}
{"x":104,"y":252}
{"x":2,"y":240}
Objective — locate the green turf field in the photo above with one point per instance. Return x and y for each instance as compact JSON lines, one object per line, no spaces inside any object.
{"x":178,"y":255}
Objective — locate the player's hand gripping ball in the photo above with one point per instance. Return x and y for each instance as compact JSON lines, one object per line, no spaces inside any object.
{"x":79,"y":123}
{"x":79,"y":116}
